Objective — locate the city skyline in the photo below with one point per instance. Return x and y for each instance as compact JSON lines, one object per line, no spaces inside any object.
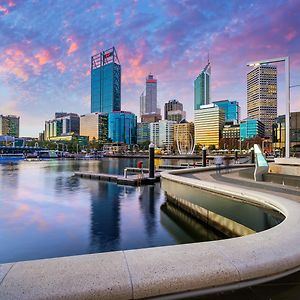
{"x":45,"y":64}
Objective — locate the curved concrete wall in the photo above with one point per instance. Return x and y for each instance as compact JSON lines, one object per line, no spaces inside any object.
{"x":163,"y":271}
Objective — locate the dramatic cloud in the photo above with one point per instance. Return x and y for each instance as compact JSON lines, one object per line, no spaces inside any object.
{"x":45,"y":58}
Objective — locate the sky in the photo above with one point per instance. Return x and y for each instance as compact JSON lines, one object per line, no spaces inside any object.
{"x":46,"y":48}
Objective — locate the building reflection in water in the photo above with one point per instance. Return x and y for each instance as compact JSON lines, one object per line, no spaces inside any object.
{"x":9,"y":174}
{"x":63,"y":183}
{"x":105,"y":217}
{"x":148,"y":201}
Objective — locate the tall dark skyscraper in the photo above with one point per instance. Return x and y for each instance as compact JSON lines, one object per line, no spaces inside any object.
{"x":105,"y":81}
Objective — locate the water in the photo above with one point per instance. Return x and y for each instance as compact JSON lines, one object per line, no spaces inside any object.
{"x":47,"y":212}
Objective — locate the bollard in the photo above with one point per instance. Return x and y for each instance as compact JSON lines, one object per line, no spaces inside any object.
{"x":151,"y":161}
{"x":252,"y":156}
{"x":203,"y":157}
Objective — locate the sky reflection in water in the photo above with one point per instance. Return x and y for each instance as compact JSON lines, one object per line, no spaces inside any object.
{"x":47,"y":212}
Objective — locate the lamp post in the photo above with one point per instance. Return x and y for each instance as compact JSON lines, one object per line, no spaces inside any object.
{"x":286,"y":61}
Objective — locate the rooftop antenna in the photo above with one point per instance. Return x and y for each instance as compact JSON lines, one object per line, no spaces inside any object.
{"x":208,"y":58}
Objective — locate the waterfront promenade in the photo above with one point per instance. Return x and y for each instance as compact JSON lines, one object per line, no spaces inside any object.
{"x":287,"y":287}
{"x":173,"y":271}
{"x":233,"y":179}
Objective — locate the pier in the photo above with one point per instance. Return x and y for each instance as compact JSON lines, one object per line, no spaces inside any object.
{"x":134,"y":180}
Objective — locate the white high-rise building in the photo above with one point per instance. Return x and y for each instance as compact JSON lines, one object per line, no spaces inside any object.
{"x":154,"y":133}
{"x":162,"y":133}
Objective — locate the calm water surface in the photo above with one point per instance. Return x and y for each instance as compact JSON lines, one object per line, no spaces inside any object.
{"x":47,"y":212}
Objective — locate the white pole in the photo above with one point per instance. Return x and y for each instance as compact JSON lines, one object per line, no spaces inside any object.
{"x":287,"y":113}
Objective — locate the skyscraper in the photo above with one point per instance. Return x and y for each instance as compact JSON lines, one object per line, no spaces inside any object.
{"x":9,"y":125}
{"x":148,"y":99}
{"x":262,"y":95}
{"x":174,"y":111}
{"x":202,"y":87}
{"x":105,"y":81}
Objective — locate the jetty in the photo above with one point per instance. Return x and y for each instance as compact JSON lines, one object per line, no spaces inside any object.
{"x":133,"y":180}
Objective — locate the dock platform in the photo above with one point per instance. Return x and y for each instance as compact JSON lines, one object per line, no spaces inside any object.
{"x":134,"y":180}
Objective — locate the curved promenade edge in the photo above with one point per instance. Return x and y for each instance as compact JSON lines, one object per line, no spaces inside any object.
{"x":171,"y":271}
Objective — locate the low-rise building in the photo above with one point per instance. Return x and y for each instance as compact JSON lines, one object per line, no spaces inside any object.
{"x":95,"y":127}
{"x":122,"y":127}
{"x":162,"y":134}
{"x":231,"y":131}
{"x":143,"y":133}
{"x":62,"y":124}
{"x":184,"y":137}
{"x":278,"y":132}
{"x":150,"y":118}
{"x":251,"y":128}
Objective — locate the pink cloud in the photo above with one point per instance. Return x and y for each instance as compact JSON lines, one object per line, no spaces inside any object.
{"x":16,"y":62}
{"x":88,"y":72}
{"x":61,"y":67}
{"x":11,"y":3}
{"x":134,"y":72}
{"x":43,"y":56}
{"x":73,"y":46}
{"x":11,"y":66}
{"x":4,"y":10}
{"x":291,"y":35}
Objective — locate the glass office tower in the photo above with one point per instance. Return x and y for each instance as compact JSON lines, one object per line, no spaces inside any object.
{"x":251,"y":128}
{"x":202,"y":87}
{"x":231,"y":109}
{"x":105,"y":82}
{"x":122,"y":127}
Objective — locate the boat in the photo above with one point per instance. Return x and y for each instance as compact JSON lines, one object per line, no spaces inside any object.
{"x":11,"y":156}
{"x":46,"y":154}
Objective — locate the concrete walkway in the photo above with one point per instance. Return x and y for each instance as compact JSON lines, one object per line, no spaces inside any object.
{"x":232,"y":179}
{"x":288,"y":287}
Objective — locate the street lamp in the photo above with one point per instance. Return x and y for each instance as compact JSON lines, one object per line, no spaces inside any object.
{"x":286,"y":61}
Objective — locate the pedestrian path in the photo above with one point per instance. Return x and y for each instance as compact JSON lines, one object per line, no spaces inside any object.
{"x":232,"y":178}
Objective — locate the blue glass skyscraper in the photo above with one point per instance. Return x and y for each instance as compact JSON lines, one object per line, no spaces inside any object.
{"x":122,"y":127}
{"x":231,"y":110}
{"x":105,"y":82}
